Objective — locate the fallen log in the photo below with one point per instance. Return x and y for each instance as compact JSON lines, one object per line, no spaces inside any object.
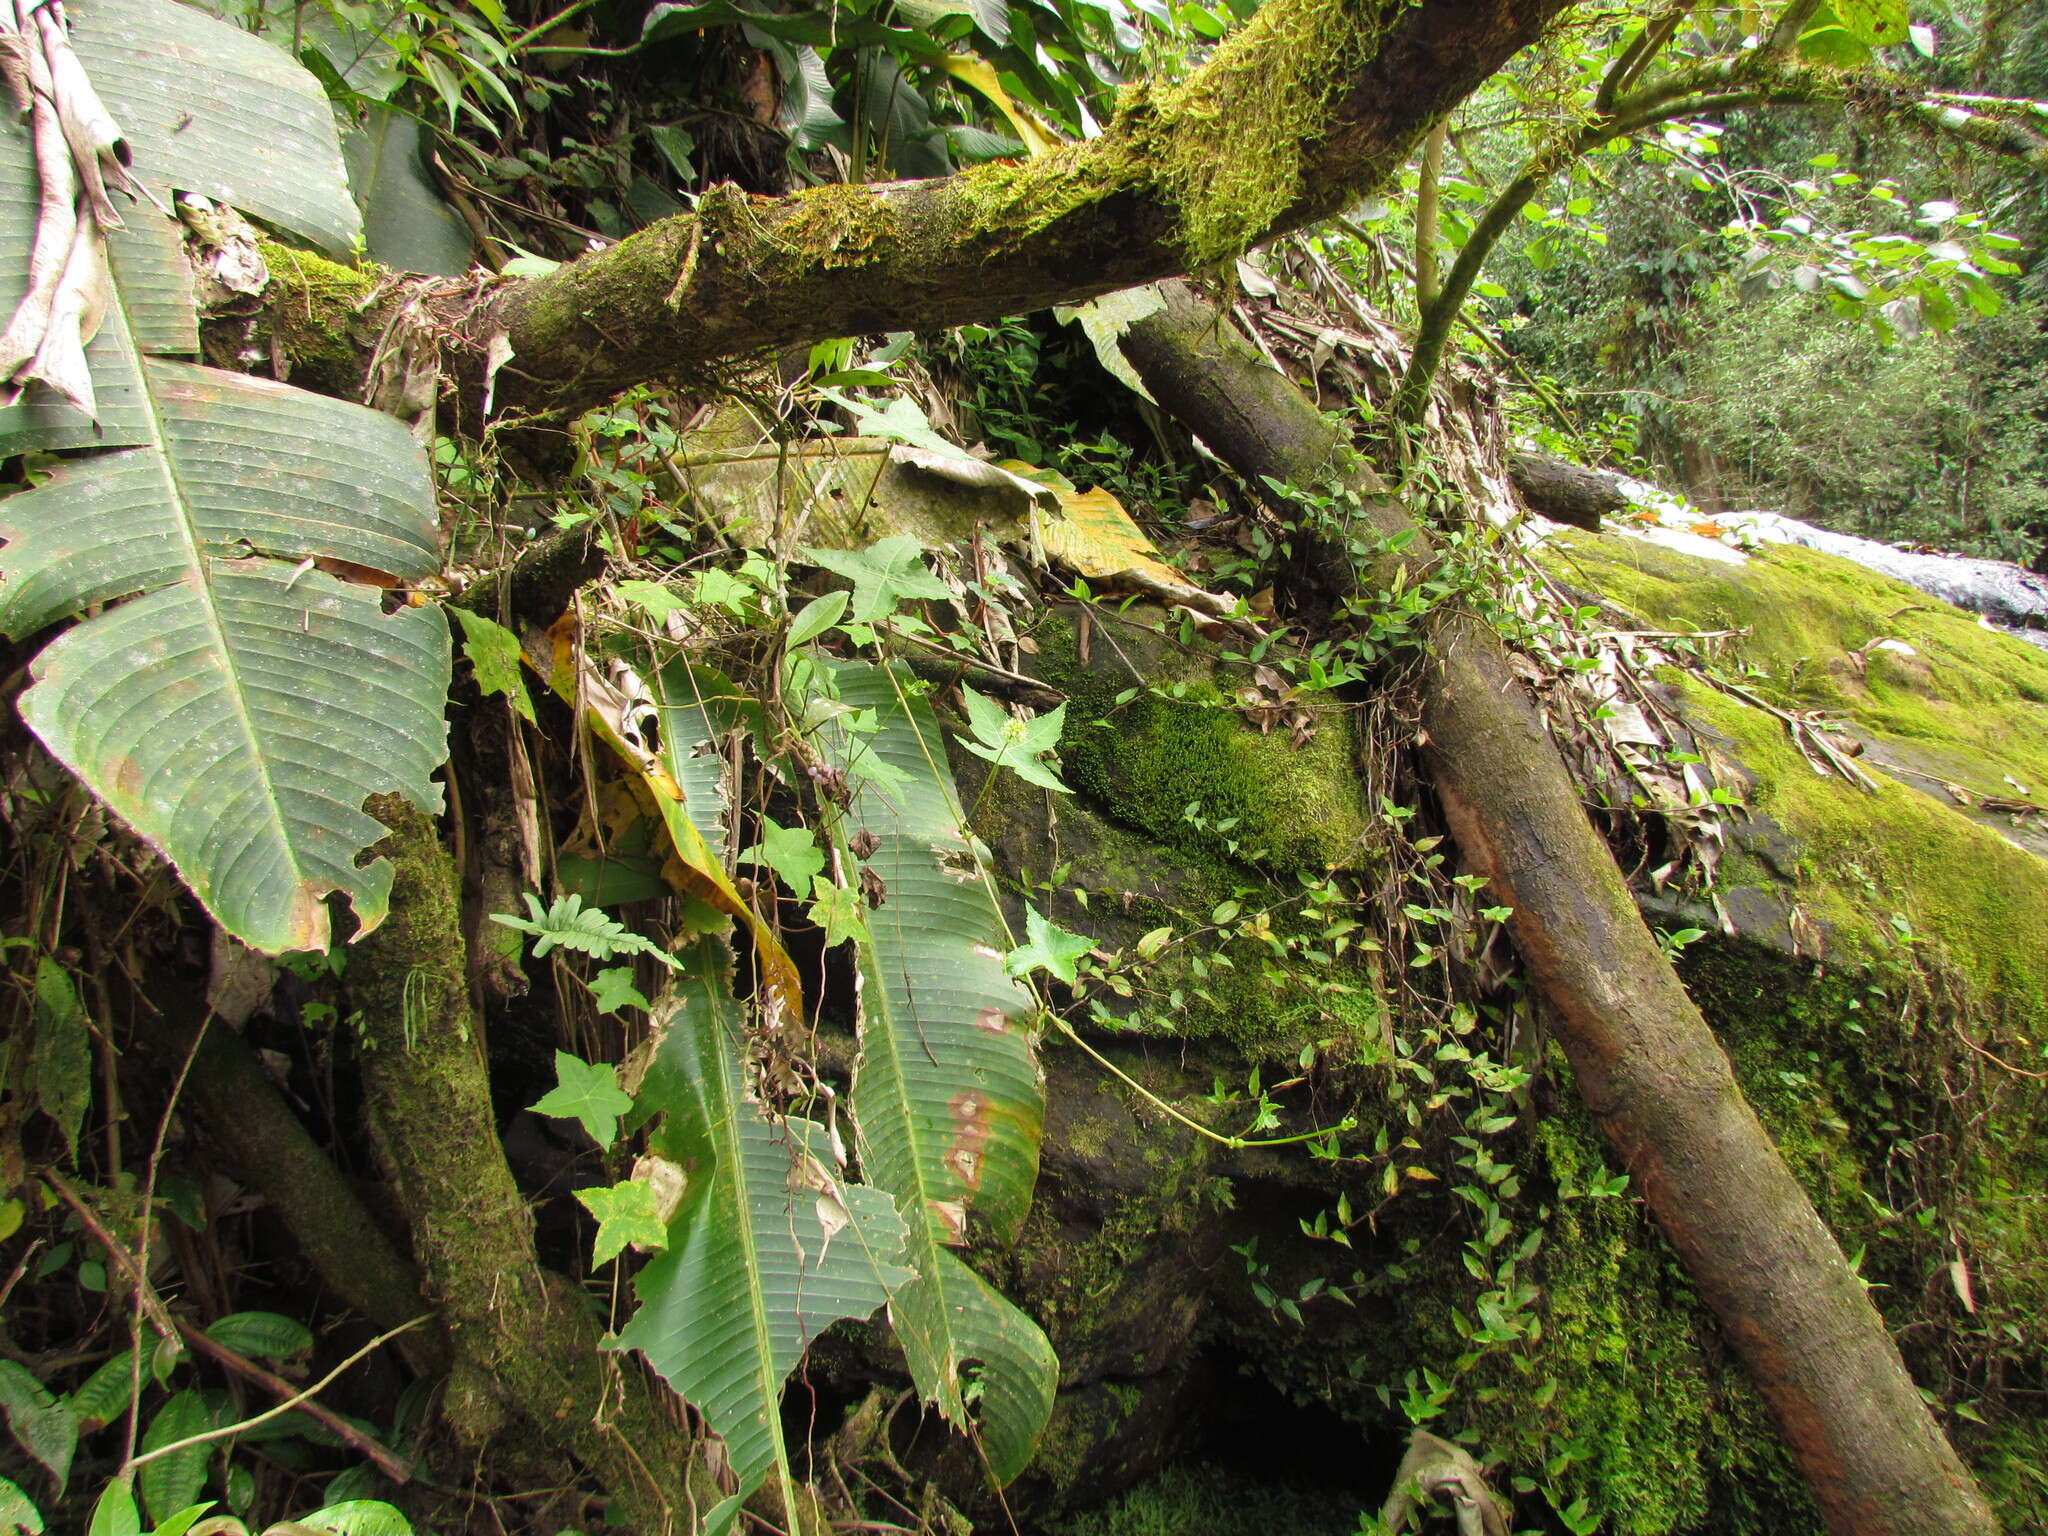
{"x":1645,"y":1060}
{"x":1565,"y":493}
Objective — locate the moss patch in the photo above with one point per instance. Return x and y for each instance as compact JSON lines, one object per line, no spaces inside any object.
{"x":1178,"y":762}
{"x":1240,"y":128}
{"x":1971,"y":703}
{"x":1973,"y":698}
{"x":316,"y":315}
{"x":1869,"y":857}
{"x":1201,"y":1499}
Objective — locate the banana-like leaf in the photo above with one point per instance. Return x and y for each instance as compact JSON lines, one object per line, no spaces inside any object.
{"x":768,"y":1246}
{"x":406,"y":223}
{"x":947,"y":1098}
{"x":210,"y":108}
{"x":240,"y":705}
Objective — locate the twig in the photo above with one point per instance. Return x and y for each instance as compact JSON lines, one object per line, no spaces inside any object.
{"x":297,"y":1400}
{"x":156,"y":1157}
{"x":2038,"y":1077}
{"x":975,"y":663}
{"x":152,"y":1304}
{"x":543,"y":28}
{"x":20,"y":1268}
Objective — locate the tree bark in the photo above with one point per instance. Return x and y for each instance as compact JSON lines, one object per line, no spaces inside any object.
{"x":1647,"y":1064}
{"x":525,"y":1348}
{"x":251,"y":1128}
{"x":1300,"y":110}
{"x":1563,"y":492}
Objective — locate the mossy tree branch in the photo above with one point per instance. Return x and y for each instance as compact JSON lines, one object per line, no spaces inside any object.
{"x":1302,"y":109}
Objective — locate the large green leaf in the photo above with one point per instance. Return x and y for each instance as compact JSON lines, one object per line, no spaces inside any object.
{"x":407,"y":224}
{"x":767,"y":1248}
{"x":237,"y":705}
{"x":239,"y":713}
{"x":210,"y":108}
{"x":947,"y":1098}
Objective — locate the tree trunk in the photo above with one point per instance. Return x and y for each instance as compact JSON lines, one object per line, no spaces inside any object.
{"x":1563,"y":492}
{"x":525,"y":1346}
{"x":1645,"y":1060}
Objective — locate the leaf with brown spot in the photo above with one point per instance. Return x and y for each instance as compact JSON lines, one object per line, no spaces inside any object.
{"x":946,"y":1094}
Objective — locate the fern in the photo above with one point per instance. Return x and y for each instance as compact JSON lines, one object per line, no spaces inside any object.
{"x":572,"y":925}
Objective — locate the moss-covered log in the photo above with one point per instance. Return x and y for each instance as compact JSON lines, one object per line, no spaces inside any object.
{"x":1648,"y":1066}
{"x":525,"y":1347}
{"x":1303,"y":108}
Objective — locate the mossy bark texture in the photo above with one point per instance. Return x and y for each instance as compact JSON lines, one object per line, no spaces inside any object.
{"x":1647,"y":1064}
{"x":525,"y":1348}
{"x":254,"y":1130}
{"x":1306,"y":106}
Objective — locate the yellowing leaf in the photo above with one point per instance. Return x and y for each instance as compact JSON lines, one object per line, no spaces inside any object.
{"x":627,"y":1213}
{"x":977,"y":73}
{"x":1094,"y":537}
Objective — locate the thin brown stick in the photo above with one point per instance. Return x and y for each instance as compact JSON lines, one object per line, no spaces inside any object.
{"x":299,"y":1399}
{"x":153,"y":1306}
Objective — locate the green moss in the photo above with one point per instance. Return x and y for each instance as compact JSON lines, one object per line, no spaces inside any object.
{"x":1190,"y":770}
{"x":1866,"y":857}
{"x":1218,"y":986}
{"x":317,"y":314}
{"x":1975,"y":699}
{"x":1625,"y":1396}
{"x":1239,"y":129}
{"x":840,"y":224}
{"x":1969,"y":706}
{"x":1910,"y":1165}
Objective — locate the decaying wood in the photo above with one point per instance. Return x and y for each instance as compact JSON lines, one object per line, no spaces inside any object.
{"x":1646,"y":1062}
{"x":1565,"y":493}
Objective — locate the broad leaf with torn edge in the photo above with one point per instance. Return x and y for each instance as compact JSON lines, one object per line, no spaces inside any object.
{"x":947,"y":1098}
{"x":241,"y":704}
{"x":767,"y":1247}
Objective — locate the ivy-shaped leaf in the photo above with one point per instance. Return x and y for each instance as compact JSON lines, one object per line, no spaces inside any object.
{"x":587,"y":1094}
{"x":613,"y":989}
{"x":1047,"y":947}
{"x":883,"y":575}
{"x":493,"y":650}
{"x":1013,"y":743}
{"x":792,"y":852}
{"x":837,"y":910}
{"x":628,"y":1214}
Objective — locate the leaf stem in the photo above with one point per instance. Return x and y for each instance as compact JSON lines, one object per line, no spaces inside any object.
{"x":1234,"y":1142}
